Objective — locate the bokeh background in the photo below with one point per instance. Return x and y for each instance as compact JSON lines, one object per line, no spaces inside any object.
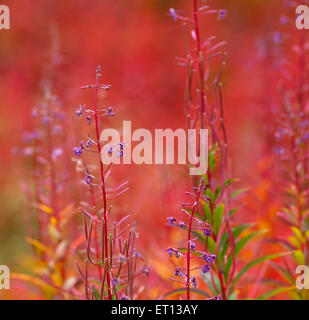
{"x":136,"y":42}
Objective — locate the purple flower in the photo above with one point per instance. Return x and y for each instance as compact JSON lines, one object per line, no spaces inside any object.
{"x":80,"y":111}
{"x":277,"y":38}
{"x":181,"y":224}
{"x":209,"y":258}
{"x":124,"y":297}
{"x":120,"y":154}
{"x":146,"y":271}
{"x":222,"y":14}
{"x":110,"y":150}
{"x":34,"y":113}
{"x":79,"y":150}
{"x":284,"y":20}
{"x":207,"y":232}
{"x":193,"y":281}
{"x":171,"y":221}
{"x":173,"y":13}
{"x":56,"y":153}
{"x":205,"y":268}
{"x":170,"y":251}
{"x":115,"y":282}
{"x":110,"y":111}
{"x":57,"y":129}
{"x":279,"y":150}
{"x":192,"y":245}
{"x":30,"y":136}
{"x":178,"y":272}
{"x":89,"y":120}
{"x":121,"y":144}
{"x":136,"y":254}
{"x":89,"y":143}
{"x":45,"y":120}
{"x":88,"y":178}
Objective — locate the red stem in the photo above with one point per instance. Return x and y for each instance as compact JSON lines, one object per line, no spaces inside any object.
{"x":102,"y":186}
{"x":200,"y":66}
{"x":189,"y":238}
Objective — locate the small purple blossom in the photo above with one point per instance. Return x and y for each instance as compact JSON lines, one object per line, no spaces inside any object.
{"x":277,"y":37}
{"x":89,"y":119}
{"x":110,"y":111}
{"x":30,"y":136}
{"x":209,"y":258}
{"x":173,"y":14}
{"x":207,"y":232}
{"x":88,"y":178}
{"x":45,"y":120}
{"x":177,"y":253}
{"x":80,"y":111}
{"x":171,"y":221}
{"x":205,"y":268}
{"x":284,"y":20}
{"x":79,"y":150}
{"x":34,"y":113}
{"x":89,"y":143}
{"x":136,"y":254}
{"x":170,"y":251}
{"x":124,"y":297}
{"x":181,"y":224}
{"x":192,"y":245}
{"x":57,"y":129}
{"x":56,"y":153}
{"x":279,"y":150}
{"x":146,"y":271}
{"x":178,"y":272}
{"x":193,"y":281}
{"x":110,"y":150}
{"x":222,"y":14}
{"x":115,"y":282}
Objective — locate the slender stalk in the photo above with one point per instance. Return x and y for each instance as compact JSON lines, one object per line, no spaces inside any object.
{"x":105,"y":257}
{"x":200,"y":65}
{"x":189,"y":237}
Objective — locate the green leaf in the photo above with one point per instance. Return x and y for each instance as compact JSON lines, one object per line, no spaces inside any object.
{"x":284,"y":273}
{"x":207,"y":212}
{"x":254,"y":263}
{"x":218,"y":190}
{"x":211,"y":245}
{"x":238,"y":246}
{"x":209,"y":194}
{"x":230,"y":181}
{"x":236,"y":231}
{"x":218,"y":214}
{"x":238,"y":192}
{"x":233,"y":296}
{"x":276,"y":291}
{"x":211,"y":160}
{"x":96,"y":294}
{"x":207,"y":279}
{"x":231,"y":212}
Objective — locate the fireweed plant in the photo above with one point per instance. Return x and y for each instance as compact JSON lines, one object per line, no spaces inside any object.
{"x":50,"y":238}
{"x":213,"y":240}
{"x":292,"y":145}
{"x":114,"y":258}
